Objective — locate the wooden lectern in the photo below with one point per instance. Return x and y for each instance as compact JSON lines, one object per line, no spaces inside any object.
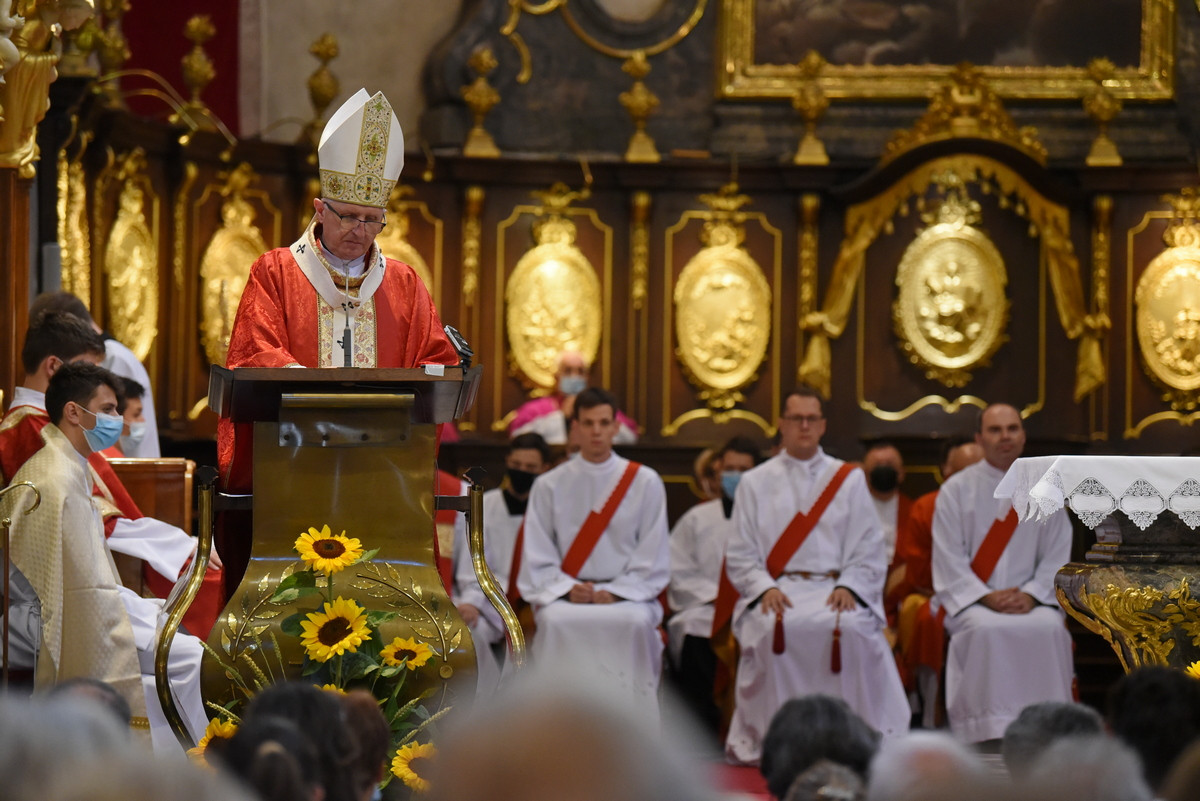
{"x":353,"y":449}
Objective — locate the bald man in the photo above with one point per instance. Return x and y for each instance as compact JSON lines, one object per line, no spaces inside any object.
{"x":994,"y":577}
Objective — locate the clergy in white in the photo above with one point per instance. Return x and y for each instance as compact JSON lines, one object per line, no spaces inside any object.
{"x":1008,"y":645}
{"x":839,"y":570}
{"x":606,"y":615}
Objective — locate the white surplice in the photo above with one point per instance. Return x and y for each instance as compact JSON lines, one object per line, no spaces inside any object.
{"x":552,"y":427}
{"x":697,"y":549}
{"x":621,"y":640}
{"x":847,"y":539}
{"x":888,"y":511}
{"x":998,"y":663}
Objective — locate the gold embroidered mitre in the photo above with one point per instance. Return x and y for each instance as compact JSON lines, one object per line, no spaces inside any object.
{"x":361,"y":152}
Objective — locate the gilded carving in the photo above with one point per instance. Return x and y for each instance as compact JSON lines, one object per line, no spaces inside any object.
{"x":553,"y":295}
{"x":73,"y":230}
{"x":722,"y":307}
{"x":480,"y":97}
{"x":1167,"y":299}
{"x":393,"y":242}
{"x":640,"y":102}
{"x":472,"y":233}
{"x":950,"y":312}
{"x":1142,"y":623}
{"x":131,"y":259}
{"x":966,"y":107}
{"x":225,"y":265}
{"x":639,"y":249}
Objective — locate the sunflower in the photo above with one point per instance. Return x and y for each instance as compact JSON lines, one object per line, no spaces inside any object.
{"x":217,"y":729}
{"x":411,"y":765}
{"x":1193,"y":670}
{"x":333,"y":688}
{"x":340,"y":628}
{"x":327,"y":552}
{"x":406,"y":650}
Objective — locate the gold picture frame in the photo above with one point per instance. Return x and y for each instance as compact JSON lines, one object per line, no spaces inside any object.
{"x":740,"y":75}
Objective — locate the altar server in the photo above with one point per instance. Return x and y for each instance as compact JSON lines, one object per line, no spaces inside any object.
{"x":808,"y":563}
{"x":595,"y":556}
{"x":994,"y":577}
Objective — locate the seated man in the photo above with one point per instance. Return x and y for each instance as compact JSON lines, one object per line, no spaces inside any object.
{"x":994,"y":577}
{"x":595,"y":556}
{"x":549,"y":416}
{"x":54,"y":339}
{"x":884,"y":468}
{"x":697,"y":551}
{"x":503,"y":514}
{"x":69,"y":615}
{"x":921,"y":638}
{"x":807,"y":559}
{"x":134,"y":418}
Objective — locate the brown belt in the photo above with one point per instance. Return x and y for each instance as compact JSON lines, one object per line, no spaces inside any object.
{"x":805,"y":574}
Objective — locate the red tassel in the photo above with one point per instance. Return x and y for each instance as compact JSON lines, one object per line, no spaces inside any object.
{"x":835,"y":658}
{"x":778,"y":645}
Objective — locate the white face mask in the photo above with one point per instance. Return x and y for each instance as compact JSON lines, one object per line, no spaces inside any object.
{"x":131,"y":441}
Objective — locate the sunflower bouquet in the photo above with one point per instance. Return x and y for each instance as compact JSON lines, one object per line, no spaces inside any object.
{"x":343,"y":647}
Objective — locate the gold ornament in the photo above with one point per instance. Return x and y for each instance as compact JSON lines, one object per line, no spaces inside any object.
{"x":481,"y":97}
{"x":950,"y":312}
{"x":722,"y":307}
{"x":553,"y":295}
{"x":131,"y":259}
{"x":640,"y":102}
{"x":1102,"y":107}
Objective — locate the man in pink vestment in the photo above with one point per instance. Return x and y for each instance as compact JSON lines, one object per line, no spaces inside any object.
{"x":549,"y":416}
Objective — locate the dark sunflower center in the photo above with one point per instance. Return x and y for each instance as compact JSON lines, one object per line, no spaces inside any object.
{"x":405,"y":653}
{"x":334,"y":631}
{"x":420,"y":765}
{"x":329,"y":549}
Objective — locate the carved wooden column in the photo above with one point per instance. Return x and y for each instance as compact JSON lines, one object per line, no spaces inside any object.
{"x":14,"y":275}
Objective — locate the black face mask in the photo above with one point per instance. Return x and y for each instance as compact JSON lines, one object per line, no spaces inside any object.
{"x":884,"y":478}
{"x":520,"y":481}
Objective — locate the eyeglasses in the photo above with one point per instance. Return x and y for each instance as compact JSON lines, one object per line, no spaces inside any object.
{"x":802,"y":419}
{"x":348,"y":221}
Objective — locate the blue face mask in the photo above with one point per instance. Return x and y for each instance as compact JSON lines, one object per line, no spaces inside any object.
{"x":729,"y":482}
{"x":105,"y":433}
{"x":572,"y":384}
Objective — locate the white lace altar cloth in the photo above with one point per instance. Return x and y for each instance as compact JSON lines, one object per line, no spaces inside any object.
{"x":1142,"y":487}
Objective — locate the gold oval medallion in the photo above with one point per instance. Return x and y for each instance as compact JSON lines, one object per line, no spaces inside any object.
{"x":224,"y":270}
{"x":1168,"y":321}
{"x":951,"y":312}
{"x":131,"y":261}
{"x":722,"y":322}
{"x":553,"y":305}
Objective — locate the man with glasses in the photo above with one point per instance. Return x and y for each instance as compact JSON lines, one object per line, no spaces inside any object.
{"x":332,"y":299}
{"x":807,"y":559}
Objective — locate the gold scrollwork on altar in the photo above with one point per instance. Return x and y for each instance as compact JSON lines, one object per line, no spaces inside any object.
{"x":394,"y":244}
{"x":73,"y":229}
{"x":722,"y":307}
{"x":225,"y":266}
{"x":553,"y":295}
{"x":1142,"y":623}
{"x":950,"y":312}
{"x":1168,"y":308}
{"x":131,"y":258}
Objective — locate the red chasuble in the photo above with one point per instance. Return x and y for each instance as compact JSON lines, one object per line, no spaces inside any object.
{"x":282,"y":321}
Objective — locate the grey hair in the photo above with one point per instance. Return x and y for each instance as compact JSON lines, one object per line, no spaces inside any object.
{"x":1095,"y":768}
{"x":1039,"y":725}
{"x":923,"y":765}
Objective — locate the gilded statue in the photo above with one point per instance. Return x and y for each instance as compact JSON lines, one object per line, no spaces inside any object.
{"x":25,"y":93}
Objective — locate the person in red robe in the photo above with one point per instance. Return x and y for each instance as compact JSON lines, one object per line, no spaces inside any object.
{"x":332,"y":299}
{"x":52,"y":340}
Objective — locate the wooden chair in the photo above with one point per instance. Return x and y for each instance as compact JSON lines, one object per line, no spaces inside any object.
{"x":162,"y":489}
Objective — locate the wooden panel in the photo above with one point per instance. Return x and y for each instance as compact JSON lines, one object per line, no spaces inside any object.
{"x":162,"y":488}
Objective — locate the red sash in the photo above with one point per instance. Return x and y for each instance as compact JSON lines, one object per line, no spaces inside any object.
{"x":513,"y":593}
{"x":592,"y":528}
{"x":990,"y":550}
{"x":784,"y":549}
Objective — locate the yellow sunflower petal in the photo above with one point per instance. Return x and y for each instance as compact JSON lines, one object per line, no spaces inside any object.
{"x":411,"y":765}
{"x":1193,"y":670}
{"x":406,"y":650}
{"x":322,"y":550}
{"x":333,"y":688}
{"x":340,"y":628}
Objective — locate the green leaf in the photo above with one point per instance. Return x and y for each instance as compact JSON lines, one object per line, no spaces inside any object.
{"x":376,"y":619}
{"x":293,"y":586}
{"x":291,"y":624}
{"x":367,"y":556}
{"x":356,"y":665}
{"x":311,"y":667}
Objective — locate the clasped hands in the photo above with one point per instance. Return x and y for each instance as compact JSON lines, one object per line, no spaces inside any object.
{"x":586,"y":593}
{"x":773,"y":601}
{"x":1009,"y":602}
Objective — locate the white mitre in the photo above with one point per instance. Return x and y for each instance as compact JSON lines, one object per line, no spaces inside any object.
{"x":361,"y":151}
